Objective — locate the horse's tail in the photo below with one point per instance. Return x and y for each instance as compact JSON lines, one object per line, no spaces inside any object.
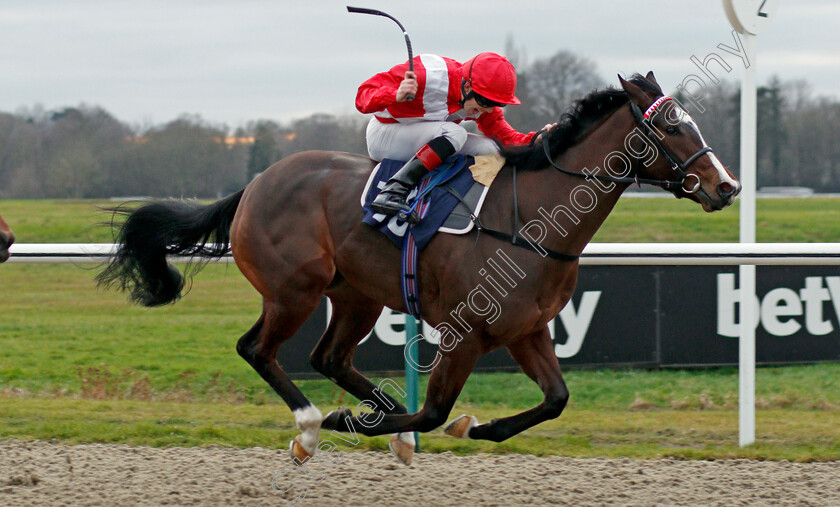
{"x":153,"y":231}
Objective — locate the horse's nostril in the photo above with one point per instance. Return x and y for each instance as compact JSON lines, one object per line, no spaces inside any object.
{"x":725,"y":189}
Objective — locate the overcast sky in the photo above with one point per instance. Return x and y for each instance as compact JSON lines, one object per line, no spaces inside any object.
{"x":150,"y":61}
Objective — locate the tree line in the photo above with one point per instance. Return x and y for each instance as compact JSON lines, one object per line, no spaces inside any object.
{"x":84,"y":152}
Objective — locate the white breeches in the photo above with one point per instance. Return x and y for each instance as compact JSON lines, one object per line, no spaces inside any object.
{"x":400,"y":141}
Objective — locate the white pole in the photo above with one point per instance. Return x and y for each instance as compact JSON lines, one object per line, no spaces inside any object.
{"x":746,"y":347}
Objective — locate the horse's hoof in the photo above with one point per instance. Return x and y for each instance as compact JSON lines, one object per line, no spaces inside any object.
{"x":460,"y":427}
{"x":297,"y":452}
{"x":403,"y":451}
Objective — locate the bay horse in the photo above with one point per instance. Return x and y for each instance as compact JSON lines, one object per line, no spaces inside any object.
{"x":296,"y":234}
{"x":7,"y":237}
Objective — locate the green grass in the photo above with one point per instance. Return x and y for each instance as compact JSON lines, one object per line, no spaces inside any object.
{"x":814,"y":220}
{"x":62,"y":336}
{"x":58,"y":221}
{"x":633,"y":220}
{"x":794,"y":435}
{"x":77,"y":338}
{"x":82,"y":365}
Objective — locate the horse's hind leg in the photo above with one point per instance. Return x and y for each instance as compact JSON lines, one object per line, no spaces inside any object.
{"x":353,"y":316}
{"x":278,"y":322}
{"x":535,"y":355}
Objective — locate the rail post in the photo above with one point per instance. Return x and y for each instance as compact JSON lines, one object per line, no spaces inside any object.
{"x":748,"y":18}
{"x":411,"y":376}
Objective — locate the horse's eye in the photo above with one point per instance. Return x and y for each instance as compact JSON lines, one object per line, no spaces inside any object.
{"x":671,"y":130}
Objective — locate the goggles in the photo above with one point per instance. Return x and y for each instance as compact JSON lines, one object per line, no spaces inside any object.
{"x":485,"y":102}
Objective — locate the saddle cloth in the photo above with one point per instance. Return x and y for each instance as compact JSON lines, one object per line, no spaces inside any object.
{"x":438,"y":209}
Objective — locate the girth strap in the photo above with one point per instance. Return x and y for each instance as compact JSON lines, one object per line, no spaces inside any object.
{"x":508,"y":238}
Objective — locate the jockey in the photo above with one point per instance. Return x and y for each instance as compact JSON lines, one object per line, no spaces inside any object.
{"x":426,"y":131}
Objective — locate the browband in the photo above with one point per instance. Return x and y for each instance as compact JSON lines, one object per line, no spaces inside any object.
{"x":656,"y":104}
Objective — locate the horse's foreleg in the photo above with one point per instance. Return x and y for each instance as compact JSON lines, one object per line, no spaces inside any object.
{"x":445,"y":384}
{"x":535,"y":355}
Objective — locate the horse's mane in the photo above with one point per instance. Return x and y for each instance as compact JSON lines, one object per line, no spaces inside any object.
{"x":573,"y":123}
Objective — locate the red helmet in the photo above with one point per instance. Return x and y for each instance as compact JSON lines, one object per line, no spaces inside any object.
{"x":491,"y":76}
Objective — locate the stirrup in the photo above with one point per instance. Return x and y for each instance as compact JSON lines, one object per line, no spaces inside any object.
{"x":401,"y":210}
{"x":402,"y":214}
{"x":413,"y":218}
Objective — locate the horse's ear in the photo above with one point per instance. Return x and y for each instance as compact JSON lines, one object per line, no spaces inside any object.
{"x":650,"y":77}
{"x":635,"y":93}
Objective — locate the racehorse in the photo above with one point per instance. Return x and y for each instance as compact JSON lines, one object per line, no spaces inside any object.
{"x":7,"y":237}
{"x":295,"y":232}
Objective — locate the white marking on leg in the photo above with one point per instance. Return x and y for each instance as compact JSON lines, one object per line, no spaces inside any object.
{"x":473,"y":423}
{"x":407,"y":437}
{"x":308,"y":421}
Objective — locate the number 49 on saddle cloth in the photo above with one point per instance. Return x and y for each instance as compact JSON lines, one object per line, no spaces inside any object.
{"x":433,"y":200}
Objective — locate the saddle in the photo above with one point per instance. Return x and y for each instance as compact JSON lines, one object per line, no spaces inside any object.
{"x":447,"y":200}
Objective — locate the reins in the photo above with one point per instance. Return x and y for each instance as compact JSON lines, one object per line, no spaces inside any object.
{"x":642,"y":121}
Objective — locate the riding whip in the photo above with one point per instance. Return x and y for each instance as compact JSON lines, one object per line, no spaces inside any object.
{"x":363,"y":10}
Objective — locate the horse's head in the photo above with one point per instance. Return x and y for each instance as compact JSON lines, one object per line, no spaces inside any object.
{"x":7,"y":237}
{"x":682,"y":155}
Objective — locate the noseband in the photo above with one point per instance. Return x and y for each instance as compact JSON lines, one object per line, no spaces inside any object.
{"x":644,"y":123}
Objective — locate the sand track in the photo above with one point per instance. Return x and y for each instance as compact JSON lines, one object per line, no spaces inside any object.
{"x":40,"y":473}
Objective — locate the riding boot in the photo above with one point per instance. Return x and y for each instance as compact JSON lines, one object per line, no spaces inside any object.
{"x":392,"y":199}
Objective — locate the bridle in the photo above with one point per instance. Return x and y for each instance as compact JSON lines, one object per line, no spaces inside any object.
{"x":644,"y":123}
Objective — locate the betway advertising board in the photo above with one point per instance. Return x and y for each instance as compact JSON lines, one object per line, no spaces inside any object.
{"x":646,"y":316}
